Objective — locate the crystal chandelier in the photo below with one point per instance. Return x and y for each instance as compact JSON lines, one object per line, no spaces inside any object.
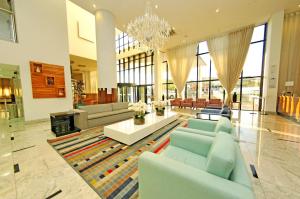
{"x":151,"y":31}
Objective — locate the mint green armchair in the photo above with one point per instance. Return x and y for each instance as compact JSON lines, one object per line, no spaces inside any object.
{"x":193,"y":167}
{"x":209,"y":128}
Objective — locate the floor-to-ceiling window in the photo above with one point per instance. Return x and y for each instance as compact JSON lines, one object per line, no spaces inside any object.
{"x":203,"y":81}
{"x":135,"y":78}
{"x":124,"y":42}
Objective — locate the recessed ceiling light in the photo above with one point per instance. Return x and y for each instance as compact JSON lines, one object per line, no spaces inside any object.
{"x":299,"y":5}
{"x":156,"y":6}
{"x":94,"y":5}
{"x":217,"y":10}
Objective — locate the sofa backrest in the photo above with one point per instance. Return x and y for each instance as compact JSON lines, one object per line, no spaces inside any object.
{"x":240,"y":174}
{"x":221,"y":159}
{"x":119,"y":106}
{"x":215,"y":101}
{"x":97,"y":108}
{"x":224,"y":125}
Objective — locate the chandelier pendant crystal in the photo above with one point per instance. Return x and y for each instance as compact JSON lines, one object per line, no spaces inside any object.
{"x":151,"y":31}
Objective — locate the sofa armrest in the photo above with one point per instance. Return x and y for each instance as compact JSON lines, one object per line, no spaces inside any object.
{"x":81,"y":119}
{"x":161,"y":177}
{"x":195,"y":143}
{"x":205,"y":125}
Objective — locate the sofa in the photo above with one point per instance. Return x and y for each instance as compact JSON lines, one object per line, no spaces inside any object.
{"x":100,"y":114}
{"x":187,"y":103}
{"x":176,"y":102}
{"x":195,"y":166}
{"x":225,"y":111}
{"x":215,"y":103}
{"x":199,"y":103}
{"x":209,"y":128}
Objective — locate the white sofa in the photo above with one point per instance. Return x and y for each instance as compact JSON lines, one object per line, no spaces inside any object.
{"x":100,"y":114}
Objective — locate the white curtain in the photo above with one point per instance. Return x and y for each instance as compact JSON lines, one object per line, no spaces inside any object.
{"x":290,"y":53}
{"x":228,"y":53}
{"x":180,"y":60}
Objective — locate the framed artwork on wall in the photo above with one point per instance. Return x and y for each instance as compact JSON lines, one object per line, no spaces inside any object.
{"x":37,"y":68}
{"x":48,"y":80}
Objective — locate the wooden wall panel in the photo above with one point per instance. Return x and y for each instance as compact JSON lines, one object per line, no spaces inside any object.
{"x":48,"y":81}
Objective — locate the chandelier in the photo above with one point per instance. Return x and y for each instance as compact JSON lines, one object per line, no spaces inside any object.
{"x":151,"y":31}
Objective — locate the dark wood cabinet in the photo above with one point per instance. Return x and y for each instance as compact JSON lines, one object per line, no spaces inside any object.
{"x":63,"y":123}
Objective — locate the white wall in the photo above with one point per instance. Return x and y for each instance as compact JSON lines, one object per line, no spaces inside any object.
{"x":272,"y":60}
{"x":77,"y":45}
{"x":42,"y":36}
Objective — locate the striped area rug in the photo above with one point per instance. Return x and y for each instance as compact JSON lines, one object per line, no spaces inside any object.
{"x":108,"y":166}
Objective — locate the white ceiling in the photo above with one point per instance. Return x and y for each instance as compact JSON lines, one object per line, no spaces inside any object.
{"x":194,"y":20}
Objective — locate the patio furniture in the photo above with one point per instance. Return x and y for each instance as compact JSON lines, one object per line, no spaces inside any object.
{"x":188,"y":102}
{"x":176,"y":102}
{"x":199,"y":103}
{"x":214,"y":103}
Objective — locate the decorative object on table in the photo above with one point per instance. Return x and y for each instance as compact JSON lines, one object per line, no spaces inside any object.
{"x":139,"y":112}
{"x":63,"y":123}
{"x":151,"y":31}
{"x":160,"y":107}
{"x":48,"y":80}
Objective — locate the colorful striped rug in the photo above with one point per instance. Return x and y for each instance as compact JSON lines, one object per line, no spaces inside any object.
{"x":110,"y":167}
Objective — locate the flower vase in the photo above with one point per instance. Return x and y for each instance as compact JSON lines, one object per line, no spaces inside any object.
{"x":160,"y":112}
{"x":139,"y":120}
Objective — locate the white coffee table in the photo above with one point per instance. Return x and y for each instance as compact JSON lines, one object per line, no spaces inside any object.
{"x":128,"y":133}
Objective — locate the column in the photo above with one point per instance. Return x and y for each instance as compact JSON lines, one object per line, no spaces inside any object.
{"x":106,"y":49}
{"x":272,"y":61}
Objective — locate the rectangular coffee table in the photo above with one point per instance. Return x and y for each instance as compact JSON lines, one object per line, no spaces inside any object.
{"x":128,"y":133}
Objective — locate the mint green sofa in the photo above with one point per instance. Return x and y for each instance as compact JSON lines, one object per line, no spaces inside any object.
{"x":209,"y":128}
{"x":194,"y":167}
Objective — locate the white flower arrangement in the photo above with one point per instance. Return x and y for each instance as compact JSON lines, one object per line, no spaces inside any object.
{"x":139,"y":109}
{"x":159,"y":105}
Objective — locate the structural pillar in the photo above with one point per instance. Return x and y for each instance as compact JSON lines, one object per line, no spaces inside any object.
{"x":106,"y":50}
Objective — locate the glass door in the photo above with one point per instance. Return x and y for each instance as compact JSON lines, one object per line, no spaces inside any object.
{"x":11,"y":101}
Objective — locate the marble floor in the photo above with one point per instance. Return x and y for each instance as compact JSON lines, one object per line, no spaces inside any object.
{"x":269,"y":142}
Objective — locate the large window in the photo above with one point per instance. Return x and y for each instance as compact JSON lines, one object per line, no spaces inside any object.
{"x":136,"y":74}
{"x":124,"y":42}
{"x":7,"y":21}
{"x":203,"y":81}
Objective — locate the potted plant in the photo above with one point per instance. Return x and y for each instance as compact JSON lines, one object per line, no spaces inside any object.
{"x":159,"y":107}
{"x":139,"y":112}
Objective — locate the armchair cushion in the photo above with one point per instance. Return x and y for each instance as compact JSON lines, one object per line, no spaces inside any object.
{"x":191,"y":142}
{"x":222,"y":156}
{"x":224,"y":125}
{"x":205,"y":125}
{"x":185,"y":157}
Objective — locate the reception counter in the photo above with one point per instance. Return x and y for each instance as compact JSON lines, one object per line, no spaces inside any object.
{"x":289,"y":106}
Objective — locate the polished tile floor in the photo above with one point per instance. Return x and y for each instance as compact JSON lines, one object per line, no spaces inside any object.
{"x":269,"y":142}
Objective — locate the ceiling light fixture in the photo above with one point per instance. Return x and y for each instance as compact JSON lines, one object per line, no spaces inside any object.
{"x":94,"y":5}
{"x":217,"y":10}
{"x":156,"y":6}
{"x":151,"y":31}
{"x":299,"y":5}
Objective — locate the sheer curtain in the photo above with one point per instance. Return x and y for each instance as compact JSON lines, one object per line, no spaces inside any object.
{"x":228,"y":53}
{"x":180,"y":60}
{"x":290,"y":52}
